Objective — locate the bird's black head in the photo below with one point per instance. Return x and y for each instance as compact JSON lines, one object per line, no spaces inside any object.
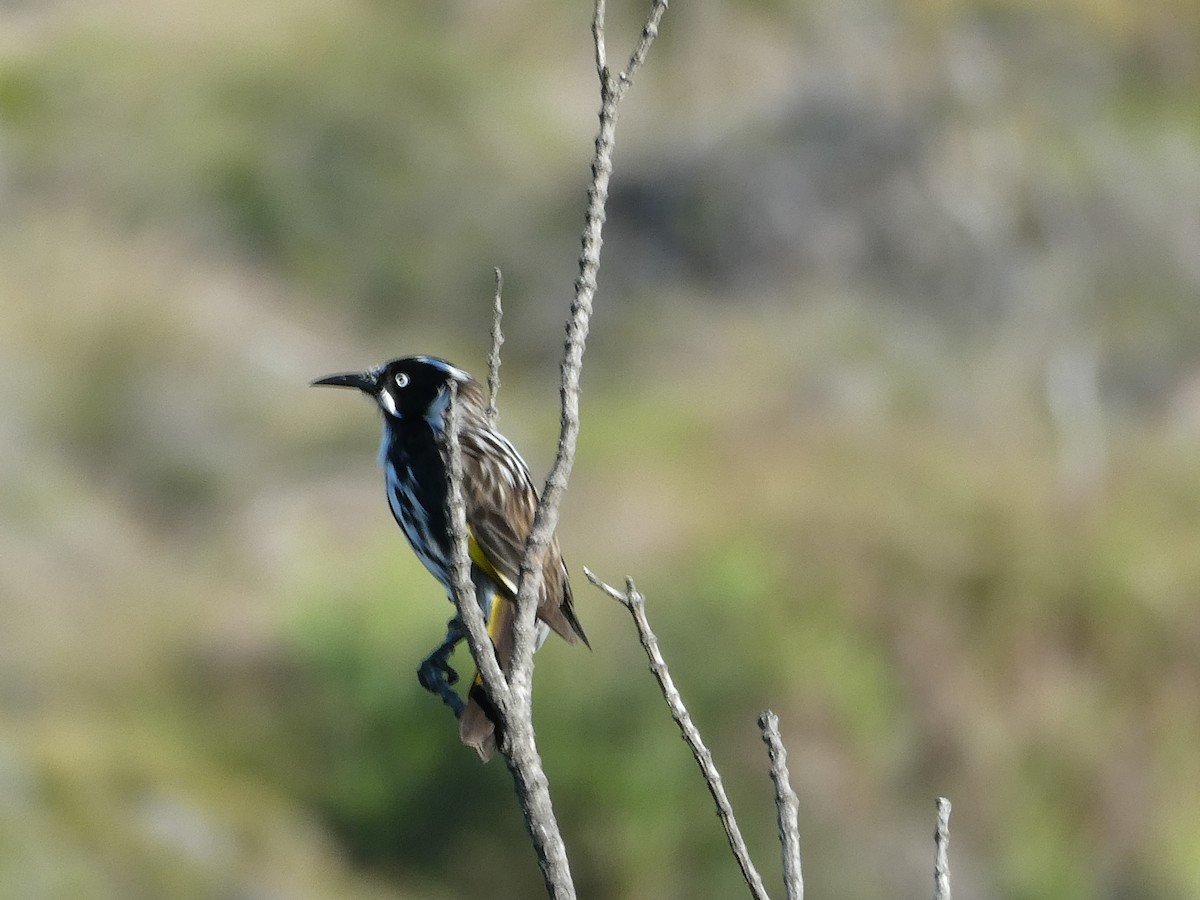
{"x":407,"y":388}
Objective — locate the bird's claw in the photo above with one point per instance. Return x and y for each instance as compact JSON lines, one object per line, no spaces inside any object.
{"x":435,"y":670}
{"x":437,"y":676}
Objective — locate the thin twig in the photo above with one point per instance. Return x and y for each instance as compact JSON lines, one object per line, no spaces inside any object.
{"x":463,"y":589}
{"x":633,"y":601}
{"x":649,"y":33}
{"x":787,"y":806}
{"x":516,"y":723}
{"x":941,"y":840}
{"x":599,"y":11}
{"x":493,"y":412}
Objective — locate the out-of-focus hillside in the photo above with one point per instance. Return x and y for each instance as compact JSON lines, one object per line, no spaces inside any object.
{"x":892,"y":408}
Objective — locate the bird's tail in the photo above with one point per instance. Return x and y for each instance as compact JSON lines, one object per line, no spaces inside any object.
{"x":477,"y":728}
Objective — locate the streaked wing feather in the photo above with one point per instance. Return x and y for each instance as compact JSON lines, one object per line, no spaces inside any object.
{"x":501,"y":502}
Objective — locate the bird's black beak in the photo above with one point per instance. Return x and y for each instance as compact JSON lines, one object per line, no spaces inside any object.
{"x":361,"y":380}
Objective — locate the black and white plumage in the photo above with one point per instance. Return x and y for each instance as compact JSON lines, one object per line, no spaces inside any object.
{"x":413,"y":393}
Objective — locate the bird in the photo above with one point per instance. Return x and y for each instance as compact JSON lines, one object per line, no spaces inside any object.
{"x":413,"y":394}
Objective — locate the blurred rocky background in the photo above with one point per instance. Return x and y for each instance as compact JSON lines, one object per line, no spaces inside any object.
{"x":892,"y":408}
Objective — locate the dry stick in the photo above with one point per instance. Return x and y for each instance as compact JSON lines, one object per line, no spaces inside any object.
{"x":941,"y":840}
{"x":636,"y":604}
{"x":463,"y":589}
{"x":519,"y":749}
{"x":493,"y":412}
{"x":515,"y":729}
{"x":787,"y":806}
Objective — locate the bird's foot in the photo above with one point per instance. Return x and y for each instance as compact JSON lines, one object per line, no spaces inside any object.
{"x":436,"y":676}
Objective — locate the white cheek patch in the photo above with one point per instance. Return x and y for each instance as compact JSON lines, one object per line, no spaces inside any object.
{"x":388,"y":402}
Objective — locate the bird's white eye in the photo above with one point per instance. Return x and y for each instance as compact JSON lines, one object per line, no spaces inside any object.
{"x":401,"y":379}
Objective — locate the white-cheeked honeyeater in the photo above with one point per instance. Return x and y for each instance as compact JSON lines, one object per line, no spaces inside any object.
{"x":412,"y":394}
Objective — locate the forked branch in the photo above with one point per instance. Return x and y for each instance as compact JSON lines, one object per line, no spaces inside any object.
{"x":512,"y":696}
{"x":611,"y":92}
{"x":633,"y":601}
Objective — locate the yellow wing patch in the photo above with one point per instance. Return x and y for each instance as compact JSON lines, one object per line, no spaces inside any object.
{"x":480,"y":559}
{"x":493,"y":622}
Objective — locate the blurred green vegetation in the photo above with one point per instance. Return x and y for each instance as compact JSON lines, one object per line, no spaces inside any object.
{"x":892,"y":409}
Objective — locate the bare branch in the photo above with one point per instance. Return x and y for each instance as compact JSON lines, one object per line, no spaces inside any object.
{"x":787,"y":807}
{"x":636,"y":604}
{"x":513,"y":707}
{"x":463,"y":589}
{"x":546,"y":518}
{"x":533,"y":791}
{"x":493,"y":413}
{"x":941,"y":840}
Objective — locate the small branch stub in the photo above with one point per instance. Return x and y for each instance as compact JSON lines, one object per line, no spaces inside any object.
{"x":787,"y":806}
{"x":941,"y":839}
